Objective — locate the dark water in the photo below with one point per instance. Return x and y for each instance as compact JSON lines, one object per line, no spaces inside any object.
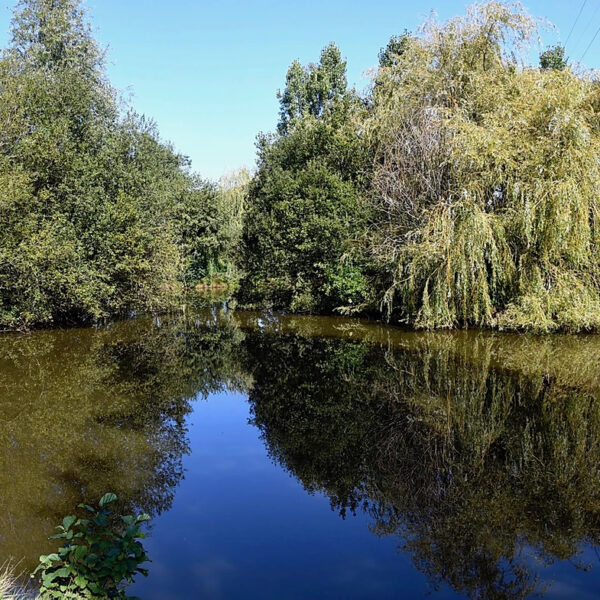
{"x":300,"y":457}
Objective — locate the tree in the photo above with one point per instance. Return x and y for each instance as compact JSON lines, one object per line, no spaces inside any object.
{"x":305,"y":203}
{"x":554,"y":58}
{"x":486,"y":181}
{"x":91,"y":198}
{"x":395,"y":48}
{"x":312,"y":90}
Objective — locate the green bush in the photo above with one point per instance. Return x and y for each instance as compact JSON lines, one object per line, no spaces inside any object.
{"x":97,"y":559}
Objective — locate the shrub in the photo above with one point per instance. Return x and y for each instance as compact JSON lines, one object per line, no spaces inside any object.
{"x":97,"y":558}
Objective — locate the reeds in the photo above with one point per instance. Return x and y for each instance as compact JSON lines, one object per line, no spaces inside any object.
{"x":10,"y":586}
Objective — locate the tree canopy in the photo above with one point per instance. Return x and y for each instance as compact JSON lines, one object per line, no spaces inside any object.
{"x":475,"y":179}
{"x":486,"y":180}
{"x":460,"y":190}
{"x":95,"y":209}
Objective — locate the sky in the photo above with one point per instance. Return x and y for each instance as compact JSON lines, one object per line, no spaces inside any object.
{"x":207,"y":71}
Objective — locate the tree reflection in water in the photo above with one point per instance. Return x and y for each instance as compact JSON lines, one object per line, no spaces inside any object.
{"x":481,"y":452}
{"x":475,"y":467}
{"x":83,"y":411}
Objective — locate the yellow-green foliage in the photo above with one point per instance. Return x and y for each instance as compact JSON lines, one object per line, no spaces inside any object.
{"x":487,"y":180}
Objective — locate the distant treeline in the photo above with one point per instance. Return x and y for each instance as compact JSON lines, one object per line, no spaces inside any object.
{"x":460,"y":190}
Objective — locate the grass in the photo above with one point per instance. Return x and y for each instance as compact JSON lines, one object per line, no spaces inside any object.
{"x":11,"y":588}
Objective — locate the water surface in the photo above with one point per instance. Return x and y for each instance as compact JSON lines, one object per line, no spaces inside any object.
{"x":312,"y":457}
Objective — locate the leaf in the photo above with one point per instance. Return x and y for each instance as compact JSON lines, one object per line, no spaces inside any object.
{"x":142,"y":518}
{"x":95,"y":588}
{"x":100,"y":520}
{"x":80,"y":552}
{"x":68,"y":521}
{"x":107,"y":499}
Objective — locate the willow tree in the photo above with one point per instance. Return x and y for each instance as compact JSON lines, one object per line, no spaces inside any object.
{"x":487,"y":180}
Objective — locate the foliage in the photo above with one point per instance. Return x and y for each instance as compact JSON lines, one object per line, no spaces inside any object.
{"x":97,"y":558}
{"x":554,"y":58}
{"x":461,"y":192}
{"x":315,"y":90}
{"x":394,"y":49}
{"x":306,"y":201}
{"x":486,"y":181}
{"x":99,"y":217}
{"x":231,"y":204}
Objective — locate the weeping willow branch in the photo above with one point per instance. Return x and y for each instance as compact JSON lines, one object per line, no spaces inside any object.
{"x":487,"y":179}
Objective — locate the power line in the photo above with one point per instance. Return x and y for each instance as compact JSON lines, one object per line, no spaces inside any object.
{"x":575,"y":22}
{"x":590,"y":44}
{"x":588,"y":25}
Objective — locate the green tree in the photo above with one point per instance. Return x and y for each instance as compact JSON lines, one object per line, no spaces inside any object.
{"x":305,"y":203}
{"x":554,"y":58}
{"x":394,"y":49}
{"x":312,"y":90}
{"x":91,"y":199}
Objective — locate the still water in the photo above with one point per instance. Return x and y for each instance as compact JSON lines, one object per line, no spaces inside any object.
{"x":312,"y":457}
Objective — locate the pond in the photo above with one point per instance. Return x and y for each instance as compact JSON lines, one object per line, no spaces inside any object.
{"x":312,"y":457}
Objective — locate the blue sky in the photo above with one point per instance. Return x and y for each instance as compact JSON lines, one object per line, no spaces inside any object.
{"x":207,"y":70}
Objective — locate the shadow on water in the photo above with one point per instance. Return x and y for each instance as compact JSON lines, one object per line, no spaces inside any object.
{"x":479,"y":451}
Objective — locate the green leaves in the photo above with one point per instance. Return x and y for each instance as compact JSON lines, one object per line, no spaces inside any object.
{"x":93,"y":202}
{"x":97,"y":559}
{"x":485,"y":195}
{"x":306,"y":204}
{"x":107,"y":499}
{"x":68,"y":521}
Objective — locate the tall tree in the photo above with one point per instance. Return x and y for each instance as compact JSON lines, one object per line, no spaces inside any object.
{"x":312,"y":90}
{"x":90,"y":197}
{"x":305,"y":203}
{"x":487,"y":179}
